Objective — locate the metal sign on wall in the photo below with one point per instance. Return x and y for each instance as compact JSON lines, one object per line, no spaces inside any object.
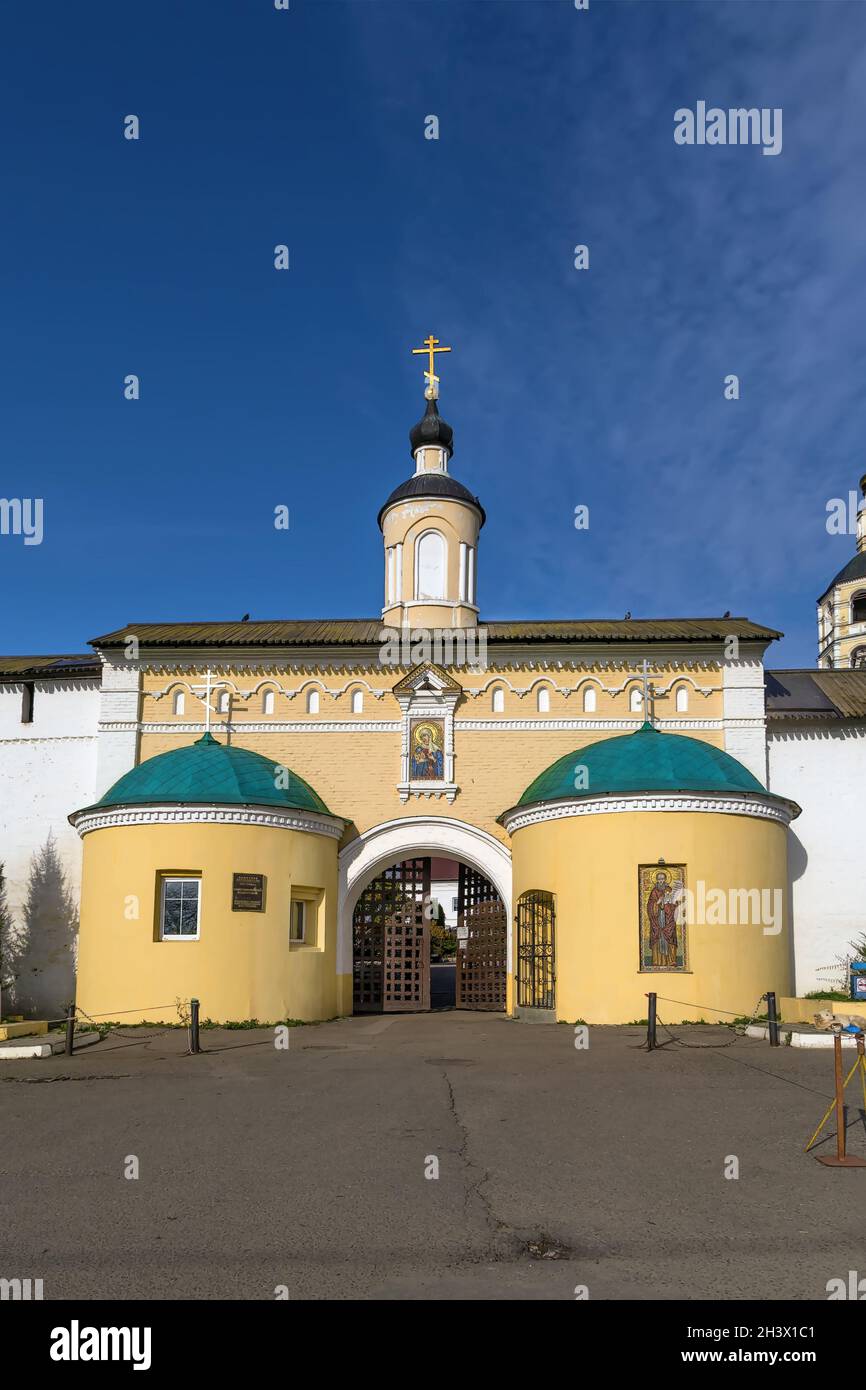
{"x":248,"y":892}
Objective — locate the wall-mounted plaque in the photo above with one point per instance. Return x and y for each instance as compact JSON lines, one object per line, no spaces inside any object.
{"x":248,"y":892}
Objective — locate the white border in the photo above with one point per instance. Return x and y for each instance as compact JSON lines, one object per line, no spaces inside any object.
{"x":95,"y":818}
{"x":179,"y":878}
{"x":761,"y":806}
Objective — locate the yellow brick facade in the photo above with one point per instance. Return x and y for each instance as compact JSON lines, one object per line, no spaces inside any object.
{"x":356,"y":768}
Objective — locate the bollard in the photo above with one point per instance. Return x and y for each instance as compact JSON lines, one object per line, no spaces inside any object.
{"x":772,"y":1019}
{"x":70,"y":1028}
{"x":651,"y":1022}
{"x":193,"y":1026}
{"x":842,"y":1159}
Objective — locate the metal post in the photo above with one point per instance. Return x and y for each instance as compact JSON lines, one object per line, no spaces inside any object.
{"x":193,"y":1026}
{"x":842,"y":1160}
{"x":651,"y":1023}
{"x":840,"y":1097}
{"x":70,"y":1028}
{"x":772,"y":1019}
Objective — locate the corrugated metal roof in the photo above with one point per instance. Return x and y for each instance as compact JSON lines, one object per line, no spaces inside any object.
{"x":806,"y":693}
{"x":314,"y":632}
{"x":17,"y":668}
{"x":847,"y":690}
{"x":631,"y":630}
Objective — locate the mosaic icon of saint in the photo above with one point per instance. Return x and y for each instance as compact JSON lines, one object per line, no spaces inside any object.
{"x":662,"y":907}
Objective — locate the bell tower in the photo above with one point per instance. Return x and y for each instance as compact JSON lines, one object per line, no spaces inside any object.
{"x":842,"y":607}
{"x":430,"y":526}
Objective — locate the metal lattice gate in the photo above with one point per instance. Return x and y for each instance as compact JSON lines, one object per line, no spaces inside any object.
{"x":536,"y":961}
{"x":482,"y":958}
{"x":391,"y":941}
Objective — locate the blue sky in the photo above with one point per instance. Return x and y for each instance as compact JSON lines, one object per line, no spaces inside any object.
{"x":261,"y":388}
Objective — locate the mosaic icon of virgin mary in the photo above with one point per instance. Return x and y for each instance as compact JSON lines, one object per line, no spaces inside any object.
{"x":426,"y":758}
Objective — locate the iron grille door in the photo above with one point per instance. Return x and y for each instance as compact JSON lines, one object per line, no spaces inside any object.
{"x":536,"y":978}
{"x":482,"y":958}
{"x":391,"y":941}
{"x":407,"y":961}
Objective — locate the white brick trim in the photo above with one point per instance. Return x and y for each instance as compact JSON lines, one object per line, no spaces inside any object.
{"x":761,"y":807}
{"x":101,"y":819}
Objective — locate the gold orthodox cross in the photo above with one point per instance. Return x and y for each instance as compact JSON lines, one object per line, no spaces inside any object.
{"x":646,"y":692}
{"x":207,"y":702}
{"x":430,"y":348}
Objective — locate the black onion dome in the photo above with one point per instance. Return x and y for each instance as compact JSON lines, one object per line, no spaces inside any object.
{"x":855,"y":569}
{"x":432,"y":485}
{"x":431,"y":430}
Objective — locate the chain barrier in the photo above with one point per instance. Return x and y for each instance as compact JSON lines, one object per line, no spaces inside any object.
{"x":181,"y":1005}
{"x":739,"y":1033}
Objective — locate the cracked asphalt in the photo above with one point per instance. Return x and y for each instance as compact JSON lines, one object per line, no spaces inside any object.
{"x":557,"y":1168}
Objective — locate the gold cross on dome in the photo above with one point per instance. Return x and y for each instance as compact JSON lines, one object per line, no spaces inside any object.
{"x":431,"y":346}
{"x":648,"y":692}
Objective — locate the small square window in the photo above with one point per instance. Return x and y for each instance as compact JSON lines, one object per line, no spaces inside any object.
{"x":298,"y":925}
{"x":180,"y":901}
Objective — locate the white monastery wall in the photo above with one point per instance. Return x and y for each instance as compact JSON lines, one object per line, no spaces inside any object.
{"x":823,"y":768}
{"x":47,"y":769}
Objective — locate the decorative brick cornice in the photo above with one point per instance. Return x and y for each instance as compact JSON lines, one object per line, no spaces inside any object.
{"x":269,"y":816}
{"x":578,"y":725}
{"x":760,"y":806}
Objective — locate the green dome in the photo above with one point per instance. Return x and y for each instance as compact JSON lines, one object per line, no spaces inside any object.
{"x":647,"y":761}
{"x":206,"y":772}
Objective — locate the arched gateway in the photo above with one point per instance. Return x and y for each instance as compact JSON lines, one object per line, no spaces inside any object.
{"x":384,"y":883}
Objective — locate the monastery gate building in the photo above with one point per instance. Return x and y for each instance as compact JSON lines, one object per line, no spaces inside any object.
{"x":265,"y":800}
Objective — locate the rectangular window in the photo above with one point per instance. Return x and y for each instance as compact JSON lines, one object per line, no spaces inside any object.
{"x":180,"y":902}
{"x":298,"y":924}
{"x":28,"y":692}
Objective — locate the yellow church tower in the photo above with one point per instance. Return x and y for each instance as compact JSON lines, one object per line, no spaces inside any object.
{"x":430,"y":526}
{"x":842,"y":608}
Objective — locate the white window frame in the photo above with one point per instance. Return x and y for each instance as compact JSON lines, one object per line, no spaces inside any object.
{"x":497,"y":704}
{"x":357,"y":702}
{"x":164,"y":880}
{"x":268,"y":702}
{"x":682,"y":699}
{"x":431,"y":598}
{"x":542,"y":699}
{"x":855,"y":598}
{"x":635,"y":700}
{"x":590,"y":700}
{"x":313,"y":702}
{"x":179,"y":702}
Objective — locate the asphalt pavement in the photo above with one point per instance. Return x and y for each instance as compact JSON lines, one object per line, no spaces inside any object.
{"x":426,"y":1156}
